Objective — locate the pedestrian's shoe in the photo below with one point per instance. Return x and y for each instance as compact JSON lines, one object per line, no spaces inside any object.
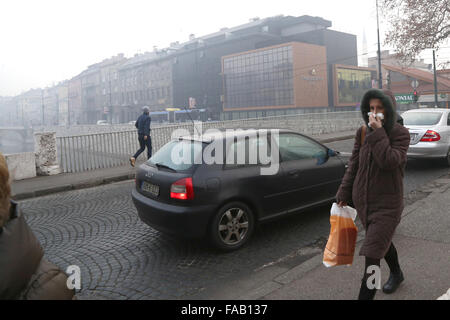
{"x":132,"y":161}
{"x":393,"y":282}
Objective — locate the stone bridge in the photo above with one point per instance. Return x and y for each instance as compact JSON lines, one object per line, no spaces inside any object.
{"x":26,"y":134}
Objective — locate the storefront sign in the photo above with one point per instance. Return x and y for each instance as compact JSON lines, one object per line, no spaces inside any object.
{"x":404,"y":98}
{"x":312,"y":78}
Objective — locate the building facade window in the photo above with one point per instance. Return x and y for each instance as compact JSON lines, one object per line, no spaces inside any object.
{"x":259,"y":79}
{"x":352,"y":84}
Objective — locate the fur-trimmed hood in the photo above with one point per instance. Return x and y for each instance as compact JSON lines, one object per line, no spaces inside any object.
{"x":390,"y":113}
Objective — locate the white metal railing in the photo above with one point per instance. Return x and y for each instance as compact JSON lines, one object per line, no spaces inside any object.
{"x":78,"y":153}
{"x":96,"y":151}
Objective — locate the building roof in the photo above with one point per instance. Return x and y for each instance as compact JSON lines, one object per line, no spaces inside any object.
{"x":227,"y":34}
{"x":139,"y":59}
{"x":443,"y":71}
{"x":281,"y":21}
{"x":419,"y":75}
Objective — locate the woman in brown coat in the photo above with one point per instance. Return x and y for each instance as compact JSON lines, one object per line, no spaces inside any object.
{"x":24,"y":272}
{"x":373,"y":182}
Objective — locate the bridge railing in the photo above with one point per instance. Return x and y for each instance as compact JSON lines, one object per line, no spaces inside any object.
{"x":86,"y":152}
{"x":95,"y":151}
{"x":110,"y":149}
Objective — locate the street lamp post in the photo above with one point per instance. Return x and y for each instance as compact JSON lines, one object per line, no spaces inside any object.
{"x":435,"y":81}
{"x":110,"y":100}
{"x":42,"y":98}
{"x":68,"y":109}
{"x":380,"y":75}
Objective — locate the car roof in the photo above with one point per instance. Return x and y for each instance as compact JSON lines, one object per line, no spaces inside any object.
{"x":209,"y":137}
{"x":427,"y":110}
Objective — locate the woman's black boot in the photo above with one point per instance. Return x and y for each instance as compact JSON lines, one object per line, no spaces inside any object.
{"x":396,"y":275}
{"x":366,"y":293}
{"x":393,"y":282}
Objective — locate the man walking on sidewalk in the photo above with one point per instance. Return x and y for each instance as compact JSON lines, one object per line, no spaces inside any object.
{"x":143,"y":126}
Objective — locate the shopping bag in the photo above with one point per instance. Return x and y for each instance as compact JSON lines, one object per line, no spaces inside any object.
{"x":341,"y":243}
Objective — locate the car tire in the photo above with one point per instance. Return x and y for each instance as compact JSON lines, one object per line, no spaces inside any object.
{"x":447,"y":158}
{"x":232,"y":226}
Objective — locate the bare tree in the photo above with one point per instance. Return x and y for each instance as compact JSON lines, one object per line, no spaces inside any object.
{"x":415,"y":25}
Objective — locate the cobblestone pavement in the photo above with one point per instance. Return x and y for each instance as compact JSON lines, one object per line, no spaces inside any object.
{"x":122,"y":258}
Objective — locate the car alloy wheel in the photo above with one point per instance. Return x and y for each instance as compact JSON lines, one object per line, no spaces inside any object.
{"x":232,"y":226}
{"x":448,"y":157}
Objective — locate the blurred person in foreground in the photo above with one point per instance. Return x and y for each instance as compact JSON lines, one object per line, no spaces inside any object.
{"x":394,"y":104}
{"x":24,"y":272}
{"x":373,"y":182}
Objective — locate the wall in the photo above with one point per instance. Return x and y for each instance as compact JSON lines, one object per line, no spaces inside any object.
{"x":21,"y":165}
{"x":310,"y":75}
{"x":198,"y":74}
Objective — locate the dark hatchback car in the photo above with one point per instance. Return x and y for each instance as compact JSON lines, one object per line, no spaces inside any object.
{"x":226,"y":199}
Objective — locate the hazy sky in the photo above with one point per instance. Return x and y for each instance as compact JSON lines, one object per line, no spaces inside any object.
{"x":46,"y":41}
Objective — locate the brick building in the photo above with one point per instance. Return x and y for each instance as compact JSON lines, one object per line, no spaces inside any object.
{"x":100,"y":89}
{"x":144,"y":80}
{"x":401,"y":84}
{"x":273,"y":66}
{"x":75,"y":112}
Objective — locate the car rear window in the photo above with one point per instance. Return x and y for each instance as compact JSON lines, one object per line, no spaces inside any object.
{"x":421,"y":118}
{"x":178,"y":155}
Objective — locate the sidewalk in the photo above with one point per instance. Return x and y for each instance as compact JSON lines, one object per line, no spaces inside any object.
{"x":423,"y":243}
{"x":44,"y":185}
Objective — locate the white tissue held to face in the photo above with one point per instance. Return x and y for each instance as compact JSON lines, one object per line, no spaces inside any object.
{"x":378,"y":115}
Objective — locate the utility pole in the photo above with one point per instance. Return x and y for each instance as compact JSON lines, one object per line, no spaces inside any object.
{"x":23,"y":121}
{"x":57,"y":107}
{"x":435,"y":81}
{"x":42,"y":97}
{"x":68,"y":109}
{"x":380,"y":76}
{"x":110,"y":100}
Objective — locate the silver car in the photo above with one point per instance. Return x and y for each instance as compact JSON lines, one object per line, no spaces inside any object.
{"x":430,"y":133}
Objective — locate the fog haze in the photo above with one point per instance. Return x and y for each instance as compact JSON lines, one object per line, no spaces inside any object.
{"x":47,"y":41}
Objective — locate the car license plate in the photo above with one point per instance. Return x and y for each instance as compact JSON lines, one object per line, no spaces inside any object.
{"x":150,"y":188}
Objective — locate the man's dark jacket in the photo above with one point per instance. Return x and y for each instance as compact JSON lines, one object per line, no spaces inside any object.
{"x":143,"y":124}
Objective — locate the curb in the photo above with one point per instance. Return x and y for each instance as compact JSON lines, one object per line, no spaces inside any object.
{"x":328,"y":140}
{"x":74,"y":186}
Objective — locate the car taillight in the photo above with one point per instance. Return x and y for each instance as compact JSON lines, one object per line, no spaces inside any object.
{"x":430,"y":136}
{"x":182,"y":189}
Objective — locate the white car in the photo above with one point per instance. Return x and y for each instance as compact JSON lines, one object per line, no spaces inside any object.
{"x":430,"y":133}
{"x":102,"y":123}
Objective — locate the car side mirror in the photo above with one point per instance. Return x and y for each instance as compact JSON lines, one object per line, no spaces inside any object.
{"x":332,"y":153}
